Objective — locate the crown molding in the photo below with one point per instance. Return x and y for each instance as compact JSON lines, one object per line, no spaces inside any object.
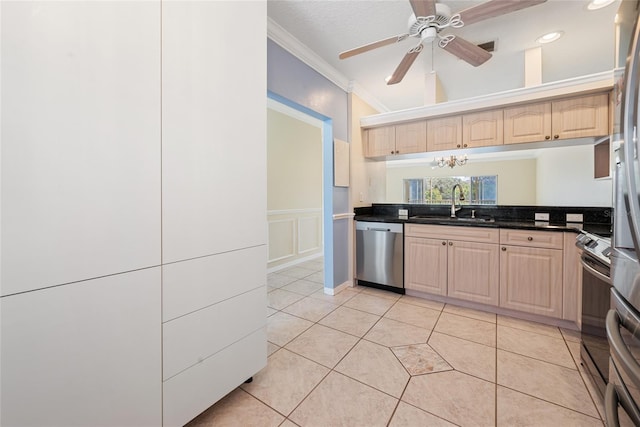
{"x":292,"y":45}
{"x":363,"y":94}
{"x":583,"y":84}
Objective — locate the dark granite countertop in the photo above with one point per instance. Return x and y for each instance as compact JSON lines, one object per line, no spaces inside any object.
{"x":596,"y":220}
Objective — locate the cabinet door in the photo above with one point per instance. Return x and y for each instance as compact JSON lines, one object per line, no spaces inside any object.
{"x":482,"y":129}
{"x":473,"y":270}
{"x":527,"y":123}
{"x":580,"y":117}
{"x":444,"y":133}
{"x":531,"y":280}
{"x":411,"y":138}
{"x":380,"y":141}
{"x":426,"y":265}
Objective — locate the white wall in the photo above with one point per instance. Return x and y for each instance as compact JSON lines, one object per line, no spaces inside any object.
{"x":127,"y":236}
{"x":564,"y":177}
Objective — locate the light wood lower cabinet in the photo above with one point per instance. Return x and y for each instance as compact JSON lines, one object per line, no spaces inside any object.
{"x":426,"y":265}
{"x":529,"y":271}
{"x":531,"y":280}
{"x":439,"y":261}
{"x":473,"y":272}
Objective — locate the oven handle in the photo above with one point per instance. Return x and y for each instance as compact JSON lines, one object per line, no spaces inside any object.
{"x":611,"y":401}
{"x":595,"y":272}
{"x":619,"y":348}
{"x":615,"y":396}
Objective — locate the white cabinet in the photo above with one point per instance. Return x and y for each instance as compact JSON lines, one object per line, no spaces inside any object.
{"x":84,"y":354}
{"x":80,"y":141}
{"x":213,"y":130}
{"x":214,"y":224}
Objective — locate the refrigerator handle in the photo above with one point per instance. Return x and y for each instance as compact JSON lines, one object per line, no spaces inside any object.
{"x":629,"y":152}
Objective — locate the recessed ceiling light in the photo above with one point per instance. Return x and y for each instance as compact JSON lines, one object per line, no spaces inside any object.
{"x":550,"y":37}
{"x":599,"y":4}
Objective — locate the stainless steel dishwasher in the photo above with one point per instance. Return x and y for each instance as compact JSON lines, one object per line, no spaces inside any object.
{"x":380,"y":255}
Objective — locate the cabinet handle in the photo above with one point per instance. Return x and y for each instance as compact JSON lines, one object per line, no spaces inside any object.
{"x":548,"y":137}
{"x":504,"y":249}
{"x":458,"y":146}
{"x":465,"y":145}
{"x":530,"y":238}
{"x":556,"y":136}
{"x":392,"y":152}
{"x":444,"y":243}
{"x":450,"y":243}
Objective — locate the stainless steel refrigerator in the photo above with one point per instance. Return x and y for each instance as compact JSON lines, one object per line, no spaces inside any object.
{"x":622,"y":395}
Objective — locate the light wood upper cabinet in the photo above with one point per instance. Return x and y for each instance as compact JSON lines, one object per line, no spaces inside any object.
{"x":482,"y":129}
{"x":444,"y":133}
{"x":580,"y":117}
{"x":473,"y":271}
{"x":426,"y":265}
{"x":399,"y":139}
{"x":380,"y":141}
{"x":411,"y":137}
{"x":527,"y":123}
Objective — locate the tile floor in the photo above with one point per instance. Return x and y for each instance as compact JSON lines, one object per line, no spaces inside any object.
{"x":367,"y":357}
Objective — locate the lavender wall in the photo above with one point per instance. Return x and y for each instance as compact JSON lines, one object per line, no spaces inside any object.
{"x":292,"y":81}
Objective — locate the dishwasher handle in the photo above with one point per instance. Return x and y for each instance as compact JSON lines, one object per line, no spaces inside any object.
{"x":378,"y":229}
{"x":386,"y":227}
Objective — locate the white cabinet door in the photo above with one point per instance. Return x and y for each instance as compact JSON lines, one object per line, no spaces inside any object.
{"x":213,"y":128}
{"x":80,"y":141}
{"x":84,"y":354}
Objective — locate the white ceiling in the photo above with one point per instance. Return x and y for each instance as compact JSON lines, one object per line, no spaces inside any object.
{"x":329,"y":27}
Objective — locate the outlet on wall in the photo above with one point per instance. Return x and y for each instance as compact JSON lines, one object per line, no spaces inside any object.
{"x":574,"y":217}
{"x":403,"y":212}
{"x":542,"y":216}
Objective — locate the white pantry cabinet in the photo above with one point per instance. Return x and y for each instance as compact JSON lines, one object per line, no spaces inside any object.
{"x":213,"y":130}
{"x":80,"y":141}
{"x":214,"y":225}
{"x":83,"y":354}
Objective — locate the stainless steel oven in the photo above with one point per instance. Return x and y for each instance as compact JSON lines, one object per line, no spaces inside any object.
{"x":596,"y":291}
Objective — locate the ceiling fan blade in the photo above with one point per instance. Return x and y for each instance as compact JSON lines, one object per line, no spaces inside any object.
{"x":371,"y":46}
{"x":467,"y":51}
{"x":404,"y":65}
{"x":492,"y":8}
{"x":423,"y":7}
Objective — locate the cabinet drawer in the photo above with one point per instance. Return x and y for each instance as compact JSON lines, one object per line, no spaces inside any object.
{"x":531,"y":238}
{"x":467,"y":234}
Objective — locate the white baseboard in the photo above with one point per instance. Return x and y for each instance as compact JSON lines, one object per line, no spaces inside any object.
{"x":339,"y":288}
{"x":294,"y":262}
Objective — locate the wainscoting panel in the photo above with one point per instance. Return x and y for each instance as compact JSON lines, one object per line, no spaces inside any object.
{"x":293,"y":234}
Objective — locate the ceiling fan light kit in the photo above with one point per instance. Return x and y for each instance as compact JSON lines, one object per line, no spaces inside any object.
{"x":429,"y":18}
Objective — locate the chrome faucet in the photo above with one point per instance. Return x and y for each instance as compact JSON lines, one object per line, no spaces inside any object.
{"x":453,"y":200}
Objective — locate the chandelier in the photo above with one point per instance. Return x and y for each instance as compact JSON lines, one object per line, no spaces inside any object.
{"x":451,"y":161}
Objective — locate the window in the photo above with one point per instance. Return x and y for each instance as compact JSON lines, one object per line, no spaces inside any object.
{"x":478,"y":190}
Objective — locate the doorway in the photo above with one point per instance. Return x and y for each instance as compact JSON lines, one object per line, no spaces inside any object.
{"x":297,"y":190}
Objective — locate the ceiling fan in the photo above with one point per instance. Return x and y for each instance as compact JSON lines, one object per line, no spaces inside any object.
{"x":429,"y":18}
